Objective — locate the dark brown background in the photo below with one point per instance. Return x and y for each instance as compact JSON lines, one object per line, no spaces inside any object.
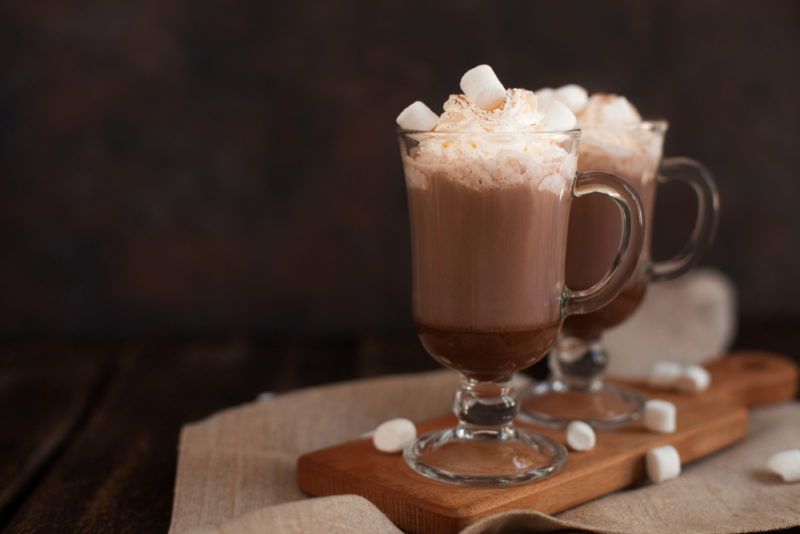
{"x":191,"y":167}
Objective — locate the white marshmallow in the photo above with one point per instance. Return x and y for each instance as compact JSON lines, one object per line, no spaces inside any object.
{"x":394,"y":435}
{"x":786,"y":464}
{"x":580,"y":436}
{"x":417,"y":116}
{"x":482,"y":87}
{"x":665,"y":374}
{"x":558,"y":117}
{"x":659,"y":416}
{"x":544,"y":96}
{"x":573,"y":96}
{"x":620,"y":110}
{"x":694,"y":378}
{"x":663,"y":463}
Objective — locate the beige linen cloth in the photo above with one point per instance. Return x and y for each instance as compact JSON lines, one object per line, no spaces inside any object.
{"x":236,"y":470}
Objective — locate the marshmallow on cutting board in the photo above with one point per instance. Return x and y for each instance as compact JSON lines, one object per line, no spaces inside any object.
{"x":660,"y":416}
{"x":662,"y":463}
{"x":393,"y":435}
{"x":684,"y":378}
{"x":693,"y":379}
{"x":580,"y":436}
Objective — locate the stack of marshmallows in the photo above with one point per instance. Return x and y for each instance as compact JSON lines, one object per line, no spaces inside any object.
{"x":483,"y":89}
{"x":556,"y":110}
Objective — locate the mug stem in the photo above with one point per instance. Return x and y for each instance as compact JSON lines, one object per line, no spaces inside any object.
{"x":578,"y":362}
{"x":485,"y":448}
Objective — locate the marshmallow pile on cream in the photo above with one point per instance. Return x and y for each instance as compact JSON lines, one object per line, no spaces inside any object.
{"x":611,"y":128}
{"x":481,"y":138}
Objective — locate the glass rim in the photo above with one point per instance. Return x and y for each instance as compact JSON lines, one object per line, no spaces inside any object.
{"x":574,"y":132}
{"x":657,"y":124}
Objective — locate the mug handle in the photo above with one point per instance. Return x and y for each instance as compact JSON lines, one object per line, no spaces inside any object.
{"x":624,"y":265}
{"x":696,"y":175}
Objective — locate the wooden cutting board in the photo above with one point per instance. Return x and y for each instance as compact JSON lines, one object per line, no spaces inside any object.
{"x":707,"y":422}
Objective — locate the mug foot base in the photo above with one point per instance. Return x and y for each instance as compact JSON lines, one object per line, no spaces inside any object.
{"x":485,"y":457}
{"x":556,"y":404}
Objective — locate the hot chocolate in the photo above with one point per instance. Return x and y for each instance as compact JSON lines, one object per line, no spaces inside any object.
{"x":481,"y":271}
{"x":488,"y":235}
{"x":490,"y":183}
{"x":615,"y":140}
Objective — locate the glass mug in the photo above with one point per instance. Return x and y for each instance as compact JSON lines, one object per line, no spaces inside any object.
{"x":575,"y":389}
{"x":488,"y":290}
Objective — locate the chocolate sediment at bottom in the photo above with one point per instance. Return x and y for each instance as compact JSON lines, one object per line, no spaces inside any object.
{"x":487,"y":354}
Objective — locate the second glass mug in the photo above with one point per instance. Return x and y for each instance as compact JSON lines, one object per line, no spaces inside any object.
{"x":576,"y":389}
{"x":489,"y":297}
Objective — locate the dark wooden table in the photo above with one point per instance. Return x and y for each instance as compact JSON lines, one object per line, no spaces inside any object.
{"x":90,"y":429}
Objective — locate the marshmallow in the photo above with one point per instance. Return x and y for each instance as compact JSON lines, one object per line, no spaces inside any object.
{"x":663,"y":463}
{"x":573,"y":96}
{"x":620,"y":110}
{"x":786,"y":464}
{"x":417,"y":116}
{"x":544,"y":96}
{"x":482,"y":88}
{"x":394,"y":435}
{"x":580,"y":436}
{"x":659,"y":416}
{"x":694,"y":378}
{"x":665,"y":374}
{"x":558,"y":117}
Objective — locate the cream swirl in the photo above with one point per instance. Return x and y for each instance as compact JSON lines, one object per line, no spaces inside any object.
{"x":608,"y":109}
{"x":490,"y":148}
{"x":519,"y":113}
{"x":615,"y":137}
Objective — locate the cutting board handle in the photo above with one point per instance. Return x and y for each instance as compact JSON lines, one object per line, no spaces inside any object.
{"x":753,"y":378}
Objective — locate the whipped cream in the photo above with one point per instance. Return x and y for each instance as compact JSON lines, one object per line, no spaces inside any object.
{"x":613,"y":135}
{"x":482,"y":162}
{"x":519,"y":113}
{"x":615,"y":138}
{"x":483,"y":148}
{"x":607,"y":109}
{"x":610,"y":123}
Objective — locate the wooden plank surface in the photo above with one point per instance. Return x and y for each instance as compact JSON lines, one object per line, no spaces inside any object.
{"x":117,"y":474}
{"x":44,"y":393}
{"x":707,"y":422}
